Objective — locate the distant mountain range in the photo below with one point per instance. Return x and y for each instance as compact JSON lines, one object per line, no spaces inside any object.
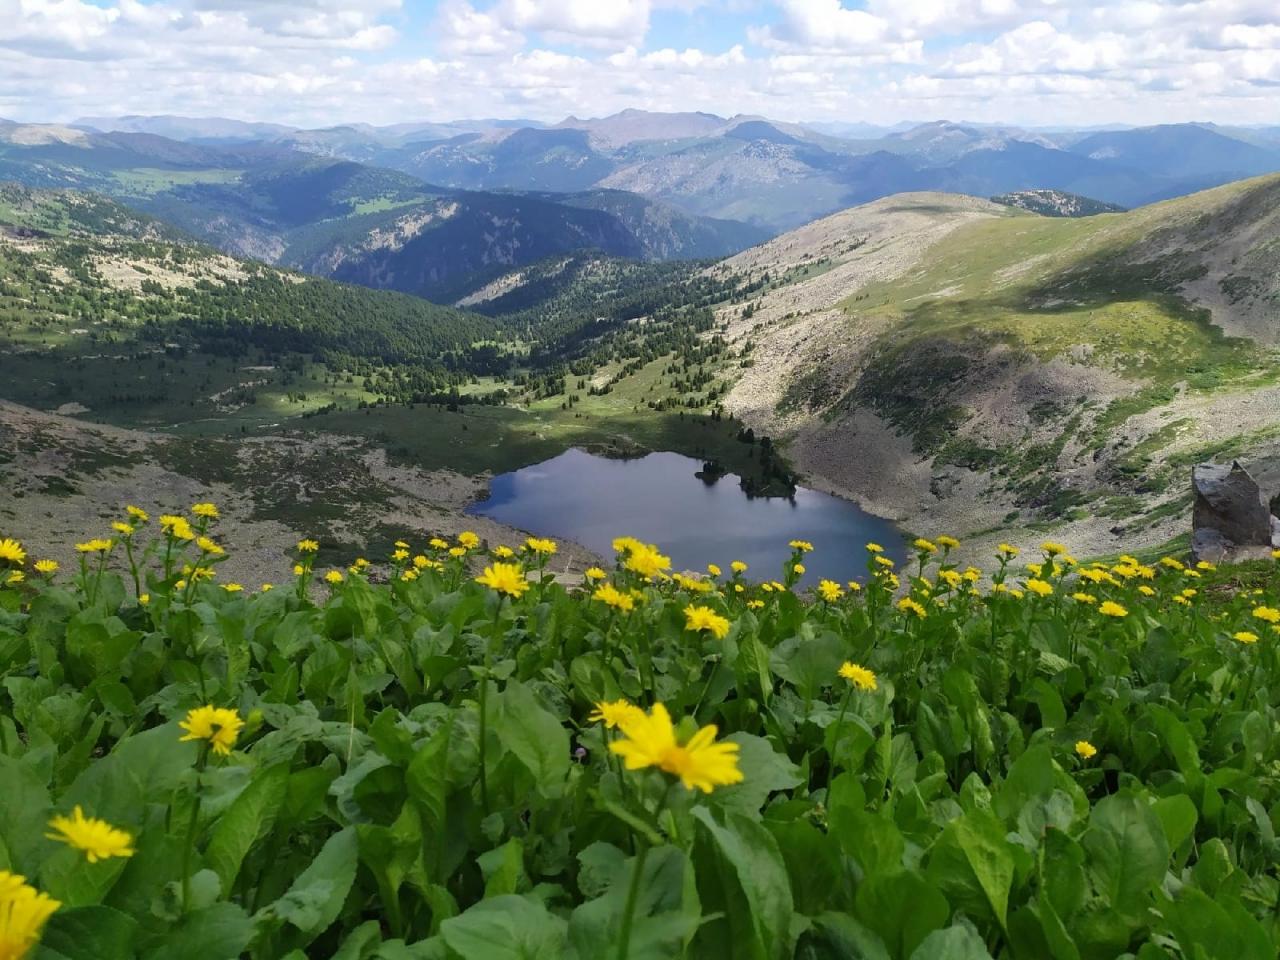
{"x":772,"y":174}
{"x":347,"y":220}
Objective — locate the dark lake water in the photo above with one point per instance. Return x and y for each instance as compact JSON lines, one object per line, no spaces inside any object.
{"x":658,"y":499}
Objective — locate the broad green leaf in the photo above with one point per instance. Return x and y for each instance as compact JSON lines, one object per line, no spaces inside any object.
{"x":903,"y":908}
{"x":506,"y":928}
{"x":535,"y":736}
{"x":1127,"y":853}
{"x":246,"y":822}
{"x":314,"y":899}
{"x":88,"y":933}
{"x":953,"y":943}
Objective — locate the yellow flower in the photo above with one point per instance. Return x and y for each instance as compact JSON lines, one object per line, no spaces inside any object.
{"x":738,"y":588}
{"x":400,"y":545}
{"x":232,"y":587}
{"x":435,"y":543}
{"x":456,"y":552}
{"x":12,"y":551}
{"x":218,"y":725}
{"x":798,"y":569}
{"x":830,"y":590}
{"x":46,"y":566}
{"x":754,"y":604}
{"x":97,"y":838}
{"x":693,"y":584}
{"x":704,"y":618}
{"x":1039,"y":587}
{"x":594,"y":573}
{"x":613,"y":713}
{"x":1052,"y":549}
{"x":874,"y":548}
{"x":1244,"y":636}
{"x":612,"y":596}
{"x":144,"y":599}
{"x":645,"y":560}
{"x":206,"y":510}
{"x":1008,"y":550}
{"x":505,"y":578}
{"x":953,"y":578}
{"x":713,"y":570}
{"x":949,"y":543}
{"x":299,"y":569}
{"x":268,"y":587}
{"x":804,"y":546}
{"x":308,"y":546}
{"x":207,"y":545}
{"x":15,"y":577}
{"x":1146,"y":591}
{"x":403,"y":554}
{"x":120,"y":527}
{"x":503,"y":552}
{"x":1189,"y":592}
{"x":1086,"y":750}
{"x":884,"y":562}
{"x":701,"y":763}
{"x":1275,"y":554}
{"x":137,"y":513}
{"x":925,"y":546}
{"x":739,"y":567}
{"x":1172,"y":564}
{"x":859,"y":676}
{"x":1084,"y":598}
{"x":541,"y":546}
{"x":1205,"y":565}
{"x":333,"y":576}
{"x":1036,"y":569}
{"x":854,"y":586}
{"x":23,"y":912}
{"x":469,"y":539}
{"x":907,"y":605}
{"x":1267,"y":614}
{"x":409,"y":575}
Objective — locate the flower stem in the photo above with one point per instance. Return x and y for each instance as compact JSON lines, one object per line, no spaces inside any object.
{"x":633,"y":894}
{"x":189,"y":846}
{"x":835,"y":738}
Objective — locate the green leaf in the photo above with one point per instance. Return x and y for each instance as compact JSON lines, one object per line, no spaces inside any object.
{"x":953,"y":943}
{"x":1177,"y":817}
{"x":765,"y":771}
{"x":219,"y":932}
{"x":973,"y":856}
{"x":506,"y":928}
{"x":88,"y":933}
{"x":903,"y":908}
{"x":314,"y":900}
{"x":754,"y":878}
{"x":1127,"y":853}
{"x":246,"y":822}
{"x":535,"y":736}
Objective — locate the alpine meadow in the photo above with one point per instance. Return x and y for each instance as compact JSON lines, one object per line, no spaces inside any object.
{"x":550,"y":480}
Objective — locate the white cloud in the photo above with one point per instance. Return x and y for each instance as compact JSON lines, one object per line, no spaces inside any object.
{"x":591,"y":22}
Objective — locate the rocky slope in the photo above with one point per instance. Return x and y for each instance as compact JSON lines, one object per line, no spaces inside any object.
{"x":965,"y":366}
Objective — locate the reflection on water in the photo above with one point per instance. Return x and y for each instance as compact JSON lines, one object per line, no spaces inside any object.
{"x":591,"y":500}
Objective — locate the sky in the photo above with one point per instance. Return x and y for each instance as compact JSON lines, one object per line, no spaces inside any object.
{"x":325,"y":62}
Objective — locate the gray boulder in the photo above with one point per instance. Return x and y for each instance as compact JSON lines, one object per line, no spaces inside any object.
{"x":1230,"y":519}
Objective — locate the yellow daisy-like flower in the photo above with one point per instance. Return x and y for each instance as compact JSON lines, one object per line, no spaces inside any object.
{"x":308,"y":546}
{"x":268,"y":587}
{"x":1146,"y":591}
{"x":97,"y":838}
{"x":952,"y":578}
{"x":1275,"y":554}
{"x":299,"y":569}
{"x":738,"y":566}
{"x":46,"y":566}
{"x":1085,"y":750}
{"x":874,"y":548}
{"x":206,"y":510}
{"x":469,"y":539}
{"x":858,"y":675}
{"x":804,"y":546}
{"x":409,"y":575}
{"x":907,"y":605}
{"x":1084,"y":598}
{"x":505,"y":578}
{"x":754,"y":604}
{"x":649,"y":740}
{"x":232,"y":587}
{"x":949,"y":543}
{"x":693,"y":584}
{"x":613,"y":713}
{"x":798,"y":569}
{"x":925,"y":546}
{"x":644,"y":559}
{"x":12,"y":551}
{"x":1008,"y":550}
{"x":1267,"y":614}
{"x":594,"y":573}
{"x":333,"y":576}
{"x":207,"y":545}
{"x":1052,"y":549}
{"x":503,"y":552}
{"x":1172,"y":564}
{"x":23,"y":913}
{"x":122,"y":528}
{"x":403,"y":554}
{"x":1244,"y":636}
{"x":830,"y":591}
{"x":854,"y":586}
{"x":400,"y":545}
{"x":217,"y":725}
{"x":713,"y":570}
{"x":420,"y":562}
{"x":613,"y":597}
{"x":435,"y":543}
{"x":144,"y":599}
{"x":541,"y":546}
{"x":1039,"y":587}
{"x":704,"y":618}
{"x":15,"y":577}
{"x":137,"y":513}
{"x":97,"y":545}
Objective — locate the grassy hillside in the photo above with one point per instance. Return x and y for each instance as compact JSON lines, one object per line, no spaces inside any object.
{"x":1045,"y":371}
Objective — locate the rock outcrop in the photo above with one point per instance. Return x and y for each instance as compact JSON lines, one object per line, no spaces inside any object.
{"x":1230,"y":520}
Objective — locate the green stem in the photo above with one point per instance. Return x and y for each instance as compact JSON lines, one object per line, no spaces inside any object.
{"x":189,"y":847}
{"x":633,"y":894}
{"x":835,"y":738}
